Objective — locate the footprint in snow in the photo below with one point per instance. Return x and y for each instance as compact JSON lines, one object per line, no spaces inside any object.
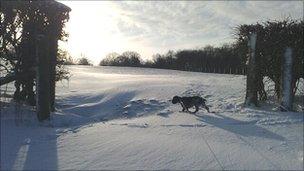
{"x":145,"y":125}
{"x":132,"y":125}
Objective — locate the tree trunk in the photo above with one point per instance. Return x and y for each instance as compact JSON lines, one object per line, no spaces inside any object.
{"x":287,"y":99}
{"x":251,"y":87}
{"x":53,"y":61}
{"x":43,"y":79}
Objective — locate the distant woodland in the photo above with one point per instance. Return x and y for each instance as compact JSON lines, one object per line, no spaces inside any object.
{"x":273,"y":37}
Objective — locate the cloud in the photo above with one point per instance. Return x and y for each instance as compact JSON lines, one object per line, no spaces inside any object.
{"x":151,"y":27}
{"x":170,"y":23}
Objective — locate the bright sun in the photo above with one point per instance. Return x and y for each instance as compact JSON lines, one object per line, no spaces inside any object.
{"x":93,"y":31}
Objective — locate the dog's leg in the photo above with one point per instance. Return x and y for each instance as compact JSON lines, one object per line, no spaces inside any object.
{"x":184,"y":107}
{"x":196,"y":109}
{"x":188,"y":110}
{"x":207,"y":108}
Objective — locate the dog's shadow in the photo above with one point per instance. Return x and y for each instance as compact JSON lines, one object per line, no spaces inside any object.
{"x":243,"y":128}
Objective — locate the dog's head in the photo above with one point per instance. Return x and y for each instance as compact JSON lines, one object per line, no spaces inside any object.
{"x":175,"y":99}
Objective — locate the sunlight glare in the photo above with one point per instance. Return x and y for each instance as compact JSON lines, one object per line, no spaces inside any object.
{"x":93,"y":30}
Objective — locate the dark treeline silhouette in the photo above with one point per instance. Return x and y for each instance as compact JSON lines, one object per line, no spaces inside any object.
{"x":224,"y":59}
{"x":128,"y":58}
{"x":64,"y":58}
{"x":84,"y":61}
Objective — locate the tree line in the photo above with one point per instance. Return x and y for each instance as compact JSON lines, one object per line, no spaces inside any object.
{"x":224,"y":59}
{"x":273,"y":37}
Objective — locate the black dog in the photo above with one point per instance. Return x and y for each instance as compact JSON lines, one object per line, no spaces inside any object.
{"x":188,"y":102}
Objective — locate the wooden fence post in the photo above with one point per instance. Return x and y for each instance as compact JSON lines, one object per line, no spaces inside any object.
{"x":251,"y":88}
{"x":286,"y":101}
{"x":43,"y":78}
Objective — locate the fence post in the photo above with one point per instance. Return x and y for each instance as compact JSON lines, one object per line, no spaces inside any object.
{"x":43,"y":78}
{"x":286,"y":101}
{"x":251,"y":88}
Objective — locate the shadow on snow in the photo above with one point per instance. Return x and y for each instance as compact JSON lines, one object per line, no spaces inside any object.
{"x":243,"y":128}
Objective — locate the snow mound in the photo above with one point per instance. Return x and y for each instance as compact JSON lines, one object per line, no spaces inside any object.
{"x":105,"y":110}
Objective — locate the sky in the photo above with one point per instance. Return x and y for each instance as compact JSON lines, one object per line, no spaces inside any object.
{"x":97,"y":28}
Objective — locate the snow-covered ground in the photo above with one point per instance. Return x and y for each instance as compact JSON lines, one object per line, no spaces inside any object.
{"x":122,"y":118}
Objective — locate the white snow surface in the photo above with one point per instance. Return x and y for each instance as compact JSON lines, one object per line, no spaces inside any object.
{"x":122,"y":118}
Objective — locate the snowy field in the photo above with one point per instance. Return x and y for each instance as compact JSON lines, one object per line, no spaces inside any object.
{"x":122,"y":118}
